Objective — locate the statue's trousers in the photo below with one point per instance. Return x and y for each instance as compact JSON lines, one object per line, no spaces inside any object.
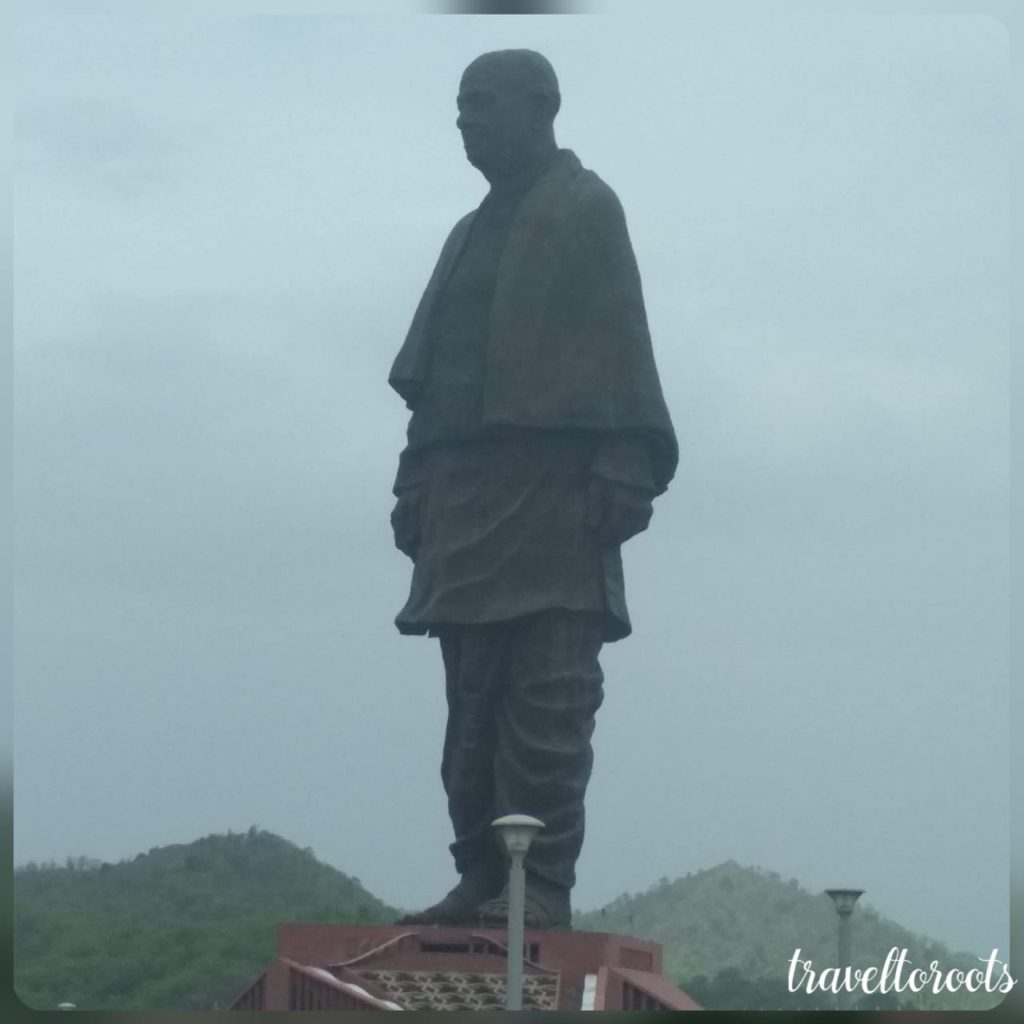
{"x":522,"y":696}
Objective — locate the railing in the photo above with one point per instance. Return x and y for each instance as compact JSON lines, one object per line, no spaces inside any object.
{"x":253,"y":997}
{"x":307,"y":993}
{"x":634,"y":998}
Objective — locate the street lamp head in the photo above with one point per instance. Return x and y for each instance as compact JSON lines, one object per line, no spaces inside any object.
{"x":844,"y":899}
{"x":517,"y":831}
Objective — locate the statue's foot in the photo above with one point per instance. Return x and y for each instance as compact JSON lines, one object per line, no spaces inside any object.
{"x":547,"y":906}
{"x":459,"y":907}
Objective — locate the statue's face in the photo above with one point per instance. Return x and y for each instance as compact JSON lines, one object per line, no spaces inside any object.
{"x":498,"y":119}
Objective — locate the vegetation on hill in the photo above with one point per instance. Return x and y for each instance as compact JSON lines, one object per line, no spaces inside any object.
{"x":189,"y":927}
{"x":184,"y":927}
{"x":728,"y":935}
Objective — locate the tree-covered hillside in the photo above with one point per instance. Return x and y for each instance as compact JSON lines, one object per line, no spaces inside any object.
{"x":182,"y":927}
{"x":730,"y":924}
{"x":188,"y":927}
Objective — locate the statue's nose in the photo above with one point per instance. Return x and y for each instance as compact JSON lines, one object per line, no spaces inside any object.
{"x":471,"y":119}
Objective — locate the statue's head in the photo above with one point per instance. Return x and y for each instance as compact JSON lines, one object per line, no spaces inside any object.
{"x":507,"y":103}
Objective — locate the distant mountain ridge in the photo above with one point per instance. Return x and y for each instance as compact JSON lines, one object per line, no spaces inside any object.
{"x":749,"y":922}
{"x":188,"y":926}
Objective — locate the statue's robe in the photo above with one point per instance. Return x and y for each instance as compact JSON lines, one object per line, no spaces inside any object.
{"x":528,"y":368}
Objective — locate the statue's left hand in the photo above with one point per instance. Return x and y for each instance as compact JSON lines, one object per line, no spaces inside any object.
{"x":617,"y":511}
{"x":405,"y":522}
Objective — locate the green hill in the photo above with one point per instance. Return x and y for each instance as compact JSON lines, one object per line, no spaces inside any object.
{"x":188,"y":927}
{"x":728,"y":934}
{"x":183,"y":927}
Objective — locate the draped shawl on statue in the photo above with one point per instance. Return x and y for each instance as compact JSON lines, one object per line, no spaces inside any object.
{"x":568,"y":346}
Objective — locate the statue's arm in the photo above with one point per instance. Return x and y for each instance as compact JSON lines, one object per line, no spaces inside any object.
{"x":406,"y":516}
{"x":622,"y":487}
{"x":632,"y":466}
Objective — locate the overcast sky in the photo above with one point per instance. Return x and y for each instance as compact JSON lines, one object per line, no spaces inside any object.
{"x":222,"y":229}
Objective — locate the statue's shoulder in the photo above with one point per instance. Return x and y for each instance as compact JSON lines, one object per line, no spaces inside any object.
{"x":588,"y":192}
{"x":457,"y":235}
{"x":461,"y":227}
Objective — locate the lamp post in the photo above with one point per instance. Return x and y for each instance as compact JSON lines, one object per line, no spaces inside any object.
{"x":517,"y":832}
{"x":844,"y":900}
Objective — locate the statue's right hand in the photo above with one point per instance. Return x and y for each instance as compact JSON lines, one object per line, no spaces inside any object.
{"x":405,"y":522}
{"x":617,"y":511}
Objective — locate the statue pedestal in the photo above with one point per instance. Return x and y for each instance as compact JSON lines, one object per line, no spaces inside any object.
{"x":401,"y":967}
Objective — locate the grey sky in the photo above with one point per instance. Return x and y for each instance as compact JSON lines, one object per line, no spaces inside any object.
{"x":222,"y":228}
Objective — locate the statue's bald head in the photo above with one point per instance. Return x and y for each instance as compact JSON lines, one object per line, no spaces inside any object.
{"x":507,"y":102}
{"x":522,"y":71}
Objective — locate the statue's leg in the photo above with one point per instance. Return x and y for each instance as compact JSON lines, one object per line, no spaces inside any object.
{"x":473,"y":663}
{"x":543,"y":755}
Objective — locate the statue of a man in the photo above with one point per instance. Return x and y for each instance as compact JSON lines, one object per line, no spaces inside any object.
{"x":538,"y":440}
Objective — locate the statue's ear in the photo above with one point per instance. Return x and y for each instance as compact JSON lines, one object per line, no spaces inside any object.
{"x":544,"y":107}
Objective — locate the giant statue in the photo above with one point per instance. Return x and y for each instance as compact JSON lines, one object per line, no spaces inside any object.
{"x":537,"y":442}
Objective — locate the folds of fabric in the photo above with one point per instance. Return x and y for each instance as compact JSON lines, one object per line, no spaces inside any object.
{"x":567,"y":343}
{"x":522,"y":697}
